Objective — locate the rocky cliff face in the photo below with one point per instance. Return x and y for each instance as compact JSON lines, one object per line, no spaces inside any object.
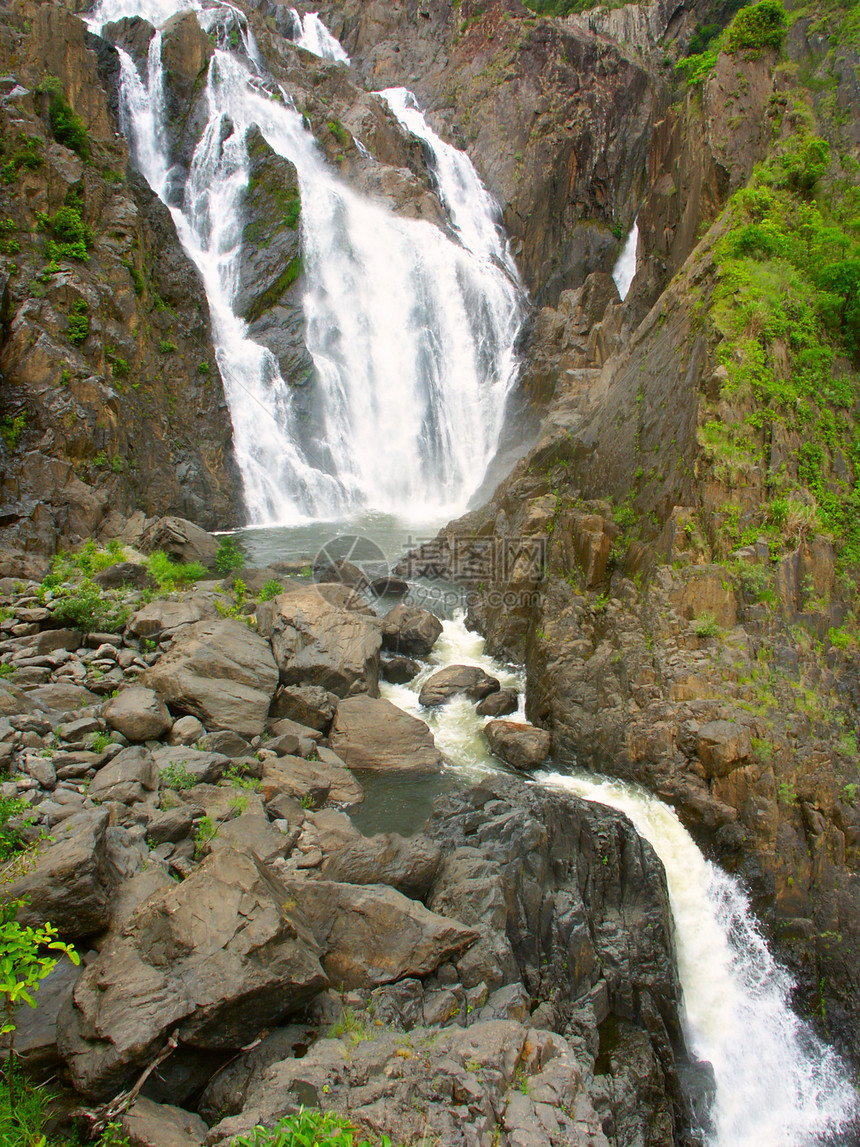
{"x":108,"y":373}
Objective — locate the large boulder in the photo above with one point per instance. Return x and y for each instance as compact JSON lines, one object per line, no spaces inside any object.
{"x":163,"y":617}
{"x":308,"y":704}
{"x":138,"y":713}
{"x":519,"y":745}
{"x":148,"y":1124}
{"x":369,"y":733}
{"x":723,"y":746}
{"x":180,"y":539}
{"x":130,"y":777}
{"x":408,"y":864}
{"x":453,"y":679}
{"x":70,"y":884}
{"x":215,"y":959}
{"x":373,"y":935}
{"x":313,"y":781}
{"x":321,"y":635}
{"x":410,"y":630}
{"x":221,"y":672}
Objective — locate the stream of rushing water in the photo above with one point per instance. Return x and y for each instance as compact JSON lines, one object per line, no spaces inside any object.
{"x":411,"y":329}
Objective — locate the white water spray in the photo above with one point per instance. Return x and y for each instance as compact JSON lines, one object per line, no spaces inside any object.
{"x":777,"y":1084}
{"x":314,"y":36}
{"x":456,"y":726}
{"x":411,"y":333}
{"x":625,"y":268}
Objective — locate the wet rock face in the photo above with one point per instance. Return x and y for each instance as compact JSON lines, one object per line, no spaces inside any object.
{"x":110,"y":358}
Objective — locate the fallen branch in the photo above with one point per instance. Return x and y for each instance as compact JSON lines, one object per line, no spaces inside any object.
{"x":99,"y":1119}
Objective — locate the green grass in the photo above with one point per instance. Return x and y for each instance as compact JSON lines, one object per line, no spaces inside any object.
{"x":169,"y":574}
{"x":308,"y":1128}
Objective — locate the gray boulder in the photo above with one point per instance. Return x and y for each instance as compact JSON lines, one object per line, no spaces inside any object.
{"x":369,"y":733}
{"x":225,"y":954}
{"x":498,"y":704}
{"x":177,"y":762}
{"x":518,"y":745}
{"x":453,"y":679}
{"x":317,"y":781}
{"x":373,"y":935}
{"x":321,"y":635}
{"x":408,"y":864}
{"x":164,"y":617}
{"x":149,"y":1124}
{"x":409,"y":630}
{"x":180,"y":539}
{"x":138,"y":713}
{"x":308,"y":704}
{"x":220,"y":672}
{"x":70,"y":884}
{"x":130,"y":777}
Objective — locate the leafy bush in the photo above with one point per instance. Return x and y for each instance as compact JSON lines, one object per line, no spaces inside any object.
{"x":67,"y":127}
{"x":85,"y":607}
{"x":229,"y":556}
{"x":10,"y":840}
{"x":78,"y":325}
{"x":71,"y":236}
{"x":176,"y":776}
{"x":169,"y":574}
{"x":12,"y":428}
{"x":309,"y":1128}
{"x":757,"y":27}
{"x":706,"y":626}
{"x":270,"y":589}
{"x":696,"y":69}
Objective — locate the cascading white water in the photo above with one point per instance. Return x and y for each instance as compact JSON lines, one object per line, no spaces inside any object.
{"x":777,"y":1084}
{"x":314,"y":36}
{"x":411,"y":332}
{"x":456,"y":726}
{"x":625,"y":267}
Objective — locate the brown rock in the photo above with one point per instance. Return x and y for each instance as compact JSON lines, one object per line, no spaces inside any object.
{"x":370,"y":733}
{"x":521,"y":746}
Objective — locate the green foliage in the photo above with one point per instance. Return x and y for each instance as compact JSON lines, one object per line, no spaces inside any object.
{"x":340,"y":133}
{"x":12,"y":427}
{"x":176,"y":776}
{"x":840,"y":638}
{"x":696,"y":69}
{"x":229,"y":556}
{"x":86,"y":607}
{"x":78,"y":325}
{"x":787,"y":304}
{"x":71,"y":236}
{"x":167,"y":347}
{"x":270,"y":589}
{"x":207,"y":830}
{"x":67,"y":127}
{"x":27,"y":956}
{"x":27,"y":153}
{"x":239,"y":776}
{"x":8,"y":244}
{"x":757,"y":27}
{"x":169,"y":574}
{"x":98,"y":742}
{"x":10,"y":841}
{"x":309,"y":1128}
{"x":706,"y":626}
{"x":6,"y":670}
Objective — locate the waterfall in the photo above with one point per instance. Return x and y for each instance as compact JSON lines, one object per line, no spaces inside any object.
{"x":778,"y":1085}
{"x":312,"y":35}
{"x":411,"y":331}
{"x":625,"y":268}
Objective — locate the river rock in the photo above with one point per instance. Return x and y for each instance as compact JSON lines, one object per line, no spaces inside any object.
{"x":130,"y":777}
{"x":328,"y":641}
{"x":70,"y":884}
{"x":186,"y":731}
{"x":454,"y":679}
{"x":316,"y":780}
{"x":308,"y":704}
{"x":204,"y":767}
{"x":220,"y":672}
{"x":149,"y":1124}
{"x":370,"y":733}
{"x":400,"y":670}
{"x":373,"y":935}
{"x":498,"y":704}
{"x":408,"y":864}
{"x":226,"y":1091}
{"x":164,"y":617}
{"x":519,"y":745}
{"x":124,"y":574}
{"x":138,"y":713}
{"x":410,"y":630}
{"x":225,"y":953}
{"x":180,"y":539}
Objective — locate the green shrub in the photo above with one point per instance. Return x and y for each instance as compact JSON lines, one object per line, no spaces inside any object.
{"x":757,"y":27}
{"x":169,"y":574}
{"x":27,"y":153}
{"x":229,"y":556}
{"x":270,"y":589}
{"x":706,"y":626}
{"x":12,"y":428}
{"x":696,"y":69}
{"x":78,"y":325}
{"x":71,"y":236}
{"x":207,"y":830}
{"x":309,"y":1128}
{"x":85,"y":607}
{"x":176,"y":776}
{"x":67,"y":127}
